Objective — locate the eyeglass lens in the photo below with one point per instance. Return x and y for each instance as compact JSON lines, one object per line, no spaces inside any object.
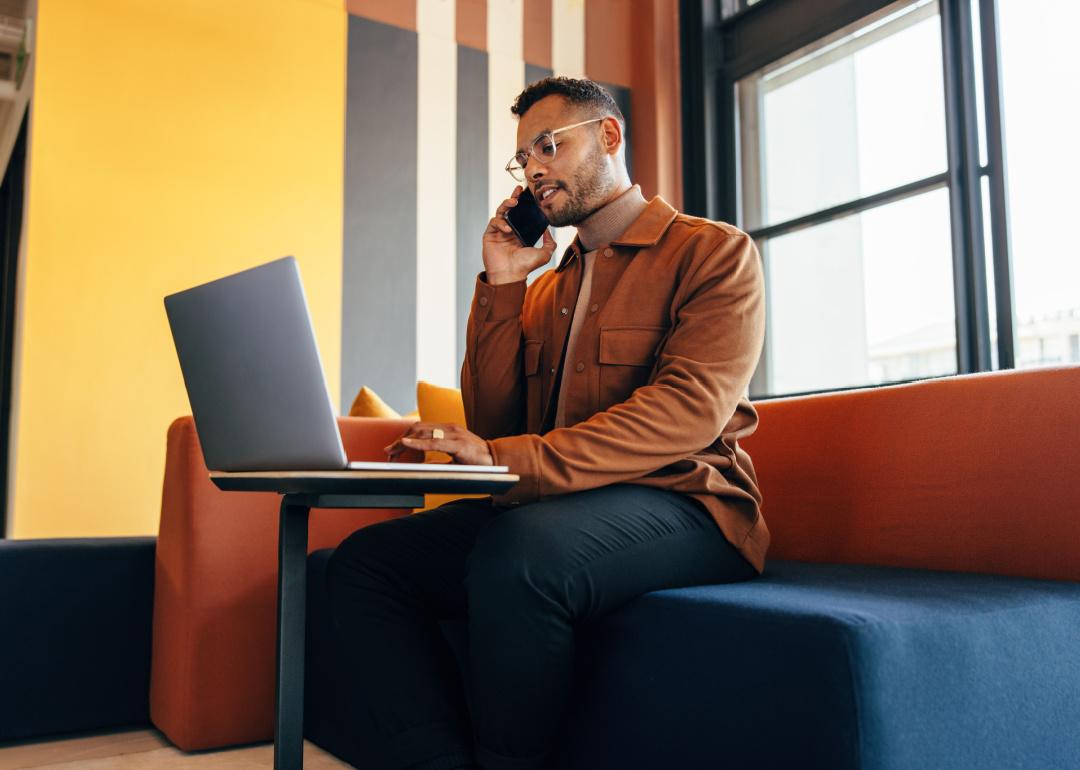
{"x":543,"y":149}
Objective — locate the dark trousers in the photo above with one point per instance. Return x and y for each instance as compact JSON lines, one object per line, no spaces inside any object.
{"x":523,"y":576}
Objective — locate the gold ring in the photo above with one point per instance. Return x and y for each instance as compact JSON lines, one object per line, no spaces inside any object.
{"x":437,"y":433}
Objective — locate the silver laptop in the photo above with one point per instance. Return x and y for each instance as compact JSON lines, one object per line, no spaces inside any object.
{"x":255,"y":380}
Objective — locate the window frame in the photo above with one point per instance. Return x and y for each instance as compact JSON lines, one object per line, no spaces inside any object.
{"x":717,"y":52}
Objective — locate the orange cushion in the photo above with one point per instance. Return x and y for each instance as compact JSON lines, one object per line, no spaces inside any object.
{"x":975,"y":473}
{"x":215,"y":595}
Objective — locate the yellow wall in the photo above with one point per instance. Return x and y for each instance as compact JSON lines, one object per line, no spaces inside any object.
{"x":172,"y":142}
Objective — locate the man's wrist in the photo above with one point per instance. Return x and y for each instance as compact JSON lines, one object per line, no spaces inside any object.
{"x":496,"y":279}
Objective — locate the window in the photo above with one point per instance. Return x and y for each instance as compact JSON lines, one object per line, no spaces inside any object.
{"x":861,"y":143}
{"x":1039,"y":71}
{"x":843,"y":163}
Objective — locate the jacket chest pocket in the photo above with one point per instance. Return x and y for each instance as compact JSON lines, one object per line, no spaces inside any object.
{"x":627,"y":355}
{"x":534,"y":384}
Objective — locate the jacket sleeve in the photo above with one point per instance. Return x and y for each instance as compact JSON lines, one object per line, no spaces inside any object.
{"x":491,"y":374}
{"x":702,"y":372}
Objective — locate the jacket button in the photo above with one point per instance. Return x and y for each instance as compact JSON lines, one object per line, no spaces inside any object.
{"x":564,"y":310}
{"x":580,"y":367}
{"x":483,"y":301}
{"x":594,"y":308}
{"x":607,"y":252}
{"x":553,"y":370}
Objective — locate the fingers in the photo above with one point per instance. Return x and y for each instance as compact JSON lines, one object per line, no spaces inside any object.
{"x":549,"y":241}
{"x":448,"y":445}
{"x":498,"y":225}
{"x":421,"y":431}
{"x":509,"y":202}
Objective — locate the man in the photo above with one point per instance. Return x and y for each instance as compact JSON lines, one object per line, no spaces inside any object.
{"x":613,"y":385}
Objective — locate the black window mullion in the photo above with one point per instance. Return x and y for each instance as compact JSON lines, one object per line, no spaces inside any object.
{"x":998,"y":177}
{"x":698,"y":37}
{"x":965,"y":194}
{"x":909,"y":190}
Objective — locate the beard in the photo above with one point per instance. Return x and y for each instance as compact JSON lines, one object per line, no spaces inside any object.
{"x":586,"y":192}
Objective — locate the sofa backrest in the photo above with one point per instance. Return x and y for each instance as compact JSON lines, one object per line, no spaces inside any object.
{"x":973,"y":473}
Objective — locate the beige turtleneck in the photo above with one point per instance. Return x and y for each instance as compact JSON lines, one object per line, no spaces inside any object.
{"x":599,"y":229}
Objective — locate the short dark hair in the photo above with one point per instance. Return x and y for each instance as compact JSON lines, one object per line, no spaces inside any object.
{"x":582,"y":91}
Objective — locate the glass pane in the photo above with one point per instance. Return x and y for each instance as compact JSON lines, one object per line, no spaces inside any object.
{"x":857,"y":113}
{"x":980,"y":94}
{"x":988,"y":260}
{"x":862,"y":300}
{"x":1040,"y":69}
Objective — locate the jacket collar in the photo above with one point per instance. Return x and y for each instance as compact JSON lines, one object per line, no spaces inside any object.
{"x":646,"y":230}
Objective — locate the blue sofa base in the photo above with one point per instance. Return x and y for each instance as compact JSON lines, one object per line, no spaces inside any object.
{"x":75,"y":646}
{"x":809,"y":665}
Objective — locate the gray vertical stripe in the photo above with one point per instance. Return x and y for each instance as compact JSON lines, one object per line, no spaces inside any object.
{"x":534,"y":73}
{"x":472,"y":178}
{"x":378,"y":319}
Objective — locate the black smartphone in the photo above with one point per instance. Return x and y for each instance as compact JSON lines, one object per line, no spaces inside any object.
{"x":526,"y":219}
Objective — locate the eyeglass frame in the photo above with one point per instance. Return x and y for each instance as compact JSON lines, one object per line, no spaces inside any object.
{"x":532,"y":147}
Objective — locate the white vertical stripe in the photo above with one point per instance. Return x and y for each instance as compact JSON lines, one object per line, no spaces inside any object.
{"x":568,"y":37}
{"x":567,"y":58}
{"x":436,"y":215}
{"x":506,"y":79}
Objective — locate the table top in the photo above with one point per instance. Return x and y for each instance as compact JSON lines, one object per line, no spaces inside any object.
{"x":365,"y":482}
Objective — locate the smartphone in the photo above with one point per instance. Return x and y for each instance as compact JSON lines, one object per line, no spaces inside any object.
{"x":526,"y":219}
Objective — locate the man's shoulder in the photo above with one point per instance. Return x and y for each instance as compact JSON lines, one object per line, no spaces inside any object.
{"x":686,"y":226}
{"x":696,"y":241}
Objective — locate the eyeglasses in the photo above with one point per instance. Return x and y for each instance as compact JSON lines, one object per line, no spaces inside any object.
{"x":543,"y":149}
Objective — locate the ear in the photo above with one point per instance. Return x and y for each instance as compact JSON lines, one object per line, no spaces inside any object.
{"x":612,"y":136}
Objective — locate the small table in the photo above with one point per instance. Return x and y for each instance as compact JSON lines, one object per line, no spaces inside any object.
{"x":301,"y":491}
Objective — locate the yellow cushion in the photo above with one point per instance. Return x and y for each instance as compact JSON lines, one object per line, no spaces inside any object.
{"x":439,"y":404}
{"x":368,"y":404}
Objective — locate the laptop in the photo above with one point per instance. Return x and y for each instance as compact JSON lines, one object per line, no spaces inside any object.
{"x":255,"y":380}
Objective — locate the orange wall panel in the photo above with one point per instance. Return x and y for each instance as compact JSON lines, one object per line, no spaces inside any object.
{"x":399,"y":13}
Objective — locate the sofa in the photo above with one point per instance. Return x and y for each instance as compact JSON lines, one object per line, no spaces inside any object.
{"x":75,"y":650}
{"x":920,"y":608}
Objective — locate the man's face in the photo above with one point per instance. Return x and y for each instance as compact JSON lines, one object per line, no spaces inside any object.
{"x":581,"y":173}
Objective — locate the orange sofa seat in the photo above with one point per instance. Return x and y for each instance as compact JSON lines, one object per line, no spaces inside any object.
{"x":973,"y":473}
{"x":215,"y":591}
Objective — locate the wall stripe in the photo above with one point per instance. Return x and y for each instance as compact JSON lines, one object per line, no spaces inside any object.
{"x":568,"y":38}
{"x":436,"y":153}
{"x":506,"y":75}
{"x":471,"y":21}
{"x":655,"y":76}
{"x":534,"y":72}
{"x":471,"y":179}
{"x":394,"y":12}
{"x":608,"y":41}
{"x":536,"y":47}
{"x":379,"y":275}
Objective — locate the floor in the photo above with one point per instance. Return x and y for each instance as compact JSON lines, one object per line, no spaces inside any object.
{"x":145,"y":750}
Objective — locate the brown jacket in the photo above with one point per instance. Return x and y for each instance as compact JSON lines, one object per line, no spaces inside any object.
{"x":674,"y":331}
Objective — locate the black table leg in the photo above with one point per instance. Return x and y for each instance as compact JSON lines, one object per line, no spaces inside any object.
{"x":292,"y":594}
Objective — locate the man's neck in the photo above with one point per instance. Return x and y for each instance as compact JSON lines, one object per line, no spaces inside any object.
{"x":611,"y":220}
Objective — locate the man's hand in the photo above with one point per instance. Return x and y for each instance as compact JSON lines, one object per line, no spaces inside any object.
{"x":464,"y":447}
{"x":505,"y":259}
